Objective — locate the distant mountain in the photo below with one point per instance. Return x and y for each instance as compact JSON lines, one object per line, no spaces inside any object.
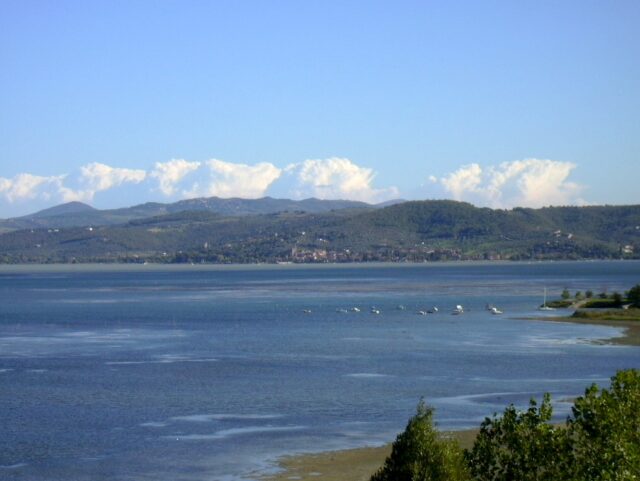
{"x":69,"y":208}
{"x":77,"y":214}
{"x":411,"y":231}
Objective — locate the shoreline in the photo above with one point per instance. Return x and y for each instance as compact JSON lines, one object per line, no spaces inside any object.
{"x":151,"y":266}
{"x":360,"y":464}
{"x":357,"y":464}
{"x":630,"y":335}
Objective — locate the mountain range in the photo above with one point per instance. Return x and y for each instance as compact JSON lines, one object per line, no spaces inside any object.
{"x":281,"y":230}
{"x":73,"y":214}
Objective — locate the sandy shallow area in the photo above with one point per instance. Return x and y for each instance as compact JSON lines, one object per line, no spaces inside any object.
{"x":630,"y":337}
{"x":348,"y":465}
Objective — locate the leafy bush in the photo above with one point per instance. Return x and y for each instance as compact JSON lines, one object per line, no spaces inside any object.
{"x":604,"y":433}
{"x":601,"y":441}
{"x":518,"y":446}
{"x":634,"y":295}
{"x":420,"y":454}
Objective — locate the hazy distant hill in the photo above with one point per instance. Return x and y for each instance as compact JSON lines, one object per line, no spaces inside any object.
{"x":80,"y":215}
{"x":410,"y":231}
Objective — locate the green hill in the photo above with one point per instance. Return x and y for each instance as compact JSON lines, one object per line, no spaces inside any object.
{"x":410,"y":231}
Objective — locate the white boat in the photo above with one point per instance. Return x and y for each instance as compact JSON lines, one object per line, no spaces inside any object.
{"x":422,"y":313}
{"x":341,"y":310}
{"x":544,"y":306}
{"x":495,"y":310}
{"x":458,"y":310}
{"x":433,"y":310}
{"x":375,"y":311}
{"x":306,"y":311}
{"x":355,"y":309}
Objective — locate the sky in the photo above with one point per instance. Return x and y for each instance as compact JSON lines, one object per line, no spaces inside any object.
{"x":497,"y":103}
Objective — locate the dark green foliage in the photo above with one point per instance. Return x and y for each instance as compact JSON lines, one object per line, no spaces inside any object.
{"x":588,"y":294}
{"x":600,"y":442}
{"x":633,"y":296}
{"x":565,"y":294}
{"x":604,"y":432}
{"x":420,"y":454}
{"x":518,"y":446}
{"x":616,"y":298}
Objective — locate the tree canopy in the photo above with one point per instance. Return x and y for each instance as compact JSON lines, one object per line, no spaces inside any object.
{"x":599,"y":442}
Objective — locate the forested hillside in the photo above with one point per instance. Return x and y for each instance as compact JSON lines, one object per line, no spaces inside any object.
{"x":410,"y":231}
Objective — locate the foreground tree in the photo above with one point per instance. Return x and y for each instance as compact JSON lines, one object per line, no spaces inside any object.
{"x":519,"y":446}
{"x":605,"y":431}
{"x":600,"y":442}
{"x":421,"y":454}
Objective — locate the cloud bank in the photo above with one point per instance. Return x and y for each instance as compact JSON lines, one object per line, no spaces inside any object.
{"x":336,"y":178}
{"x":171,"y":173}
{"x":524,"y":183}
{"x":226,"y":179}
{"x":96,"y":177}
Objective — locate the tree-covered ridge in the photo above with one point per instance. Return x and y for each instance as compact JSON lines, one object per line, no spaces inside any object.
{"x":599,"y":441}
{"x":411,"y":231}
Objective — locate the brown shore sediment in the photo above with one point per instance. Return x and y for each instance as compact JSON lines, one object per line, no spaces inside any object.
{"x":629,"y":337}
{"x":348,"y":465}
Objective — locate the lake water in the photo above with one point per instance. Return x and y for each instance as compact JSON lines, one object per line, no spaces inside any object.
{"x":205,"y":373}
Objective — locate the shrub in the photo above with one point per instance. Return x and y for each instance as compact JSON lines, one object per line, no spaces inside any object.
{"x":420,"y":454}
{"x":605,"y":430}
{"x":518,"y":446}
{"x":634,"y":295}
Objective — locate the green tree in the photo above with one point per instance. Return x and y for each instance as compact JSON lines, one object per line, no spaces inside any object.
{"x":421,"y":454}
{"x":579,"y":295}
{"x":565,"y":294}
{"x":519,"y":445}
{"x":616,"y":297}
{"x":634,"y":295}
{"x":588,"y":294}
{"x":605,"y":431}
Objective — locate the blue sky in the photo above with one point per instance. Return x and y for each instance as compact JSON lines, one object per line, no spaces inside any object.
{"x":498,"y":103}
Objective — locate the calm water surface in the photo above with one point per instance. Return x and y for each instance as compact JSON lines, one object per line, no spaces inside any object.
{"x":202,"y":373}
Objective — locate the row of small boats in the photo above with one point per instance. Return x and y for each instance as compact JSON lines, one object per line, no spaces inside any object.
{"x":457,"y":310}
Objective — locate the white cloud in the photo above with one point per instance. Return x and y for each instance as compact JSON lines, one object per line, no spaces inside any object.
{"x":170,"y":173}
{"x":523,"y":183}
{"x":227,"y":179}
{"x":336,"y":178}
{"x":97,"y":177}
{"x":465,"y":180}
{"x":26,"y":186}
{"x":103,"y":177}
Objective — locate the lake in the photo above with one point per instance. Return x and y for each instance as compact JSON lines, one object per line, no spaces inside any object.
{"x":210,"y":373}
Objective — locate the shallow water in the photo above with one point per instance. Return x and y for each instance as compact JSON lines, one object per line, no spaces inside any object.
{"x":199,"y":373}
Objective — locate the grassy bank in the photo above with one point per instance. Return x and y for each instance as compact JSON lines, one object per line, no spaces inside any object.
{"x":348,"y":465}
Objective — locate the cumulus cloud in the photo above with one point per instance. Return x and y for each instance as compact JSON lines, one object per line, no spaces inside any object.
{"x":227,"y":179}
{"x":97,"y":177}
{"x":28,"y":186}
{"x":171,"y":173}
{"x":466,"y":180}
{"x":336,"y":178}
{"x":524,"y":183}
